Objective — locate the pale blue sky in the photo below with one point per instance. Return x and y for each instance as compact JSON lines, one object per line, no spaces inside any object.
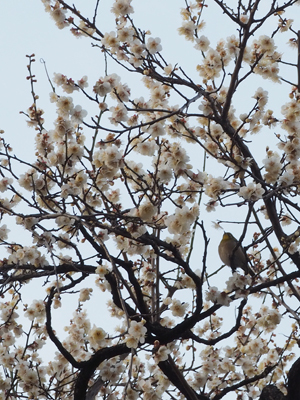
{"x":27,"y":29}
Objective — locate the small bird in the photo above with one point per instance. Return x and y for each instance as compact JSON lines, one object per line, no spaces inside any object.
{"x":233,"y":254}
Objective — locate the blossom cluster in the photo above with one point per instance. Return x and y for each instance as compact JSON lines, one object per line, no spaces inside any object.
{"x":114,"y":207}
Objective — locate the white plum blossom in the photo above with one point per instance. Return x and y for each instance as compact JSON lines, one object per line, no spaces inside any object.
{"x":27,"y":255}
{"x":85,"y":294}
{"x":36,"y":311}
{"x":59,"y":79}
{"x":69,"y":189}
{"x":137,"y":48}
{"x":122,"y":92}
{"x":67,"y":84}
{"x":181,"y":221}
{"x":59,"y":15}
{"x":28,"y":222}
{"x":237,"y":281}
{"x":269,"y":319}
{"x":147,"y":148}
{"x":156,"y":130}
{"x":178,"y":308}
{"x":102,"y":88}
{"x":286,"y":179}
{"x":162,"y":354}
{"x":78,"y":114}
{"x":215,"y":186}
{"x":266,"y":44}
{"x":233,"y":45}
{"x":212,"y":294}
{"x":136,"y":333}
{"x":165,"y":173}
{"x":4,"y":183}
{"x":119,"y":114}
{"x":105,"y":85}
{"x":153,"y":45}
{"x":122,"y":8}
{"x":251,"y":192}
{"x":64,"y":106}
{"x":202,"y":43}
{"x":218,"y":297}
{"x":168,"y":69}
{"x":211,"y":66}
{"x":188,"y":30}
{"x":83,"y":82}
{"x":273,"y":167}
{"x":261,"y":96}
{"x":147,"y":210}
{"x":3,"y":232}
{"x":223,"y":299}
{"x":96,"y":337}
{"x":63,"y":241}
{"x":102,"y":270}
{"x":285,"y":24}
{"x":26,"y":180}
{"x":199,"y":380}
{"x":111,"y":41}
{"x":112,"y":156}
{"x":126,"y":34}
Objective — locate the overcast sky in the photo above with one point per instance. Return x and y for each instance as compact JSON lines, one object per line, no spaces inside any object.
{"x":27,"y":29}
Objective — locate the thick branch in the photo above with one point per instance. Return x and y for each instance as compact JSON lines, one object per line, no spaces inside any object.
{"x":88,"y":367}
{"x":171,"y":371}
